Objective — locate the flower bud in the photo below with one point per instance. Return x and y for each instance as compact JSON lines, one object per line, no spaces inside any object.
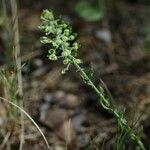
{"x":47,"y":15}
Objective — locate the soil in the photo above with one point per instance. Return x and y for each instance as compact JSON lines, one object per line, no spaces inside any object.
{"x":67,"y":111}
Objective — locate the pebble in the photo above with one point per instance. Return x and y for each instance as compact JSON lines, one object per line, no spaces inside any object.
{"x":38,"y":62}
{"x":70,"y":101}
{"x":78,"y":121}
{"x":83,"y":140}
{"x":104,"y":34}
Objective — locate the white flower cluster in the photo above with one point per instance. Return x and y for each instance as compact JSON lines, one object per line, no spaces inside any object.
{"x":59,"y":35}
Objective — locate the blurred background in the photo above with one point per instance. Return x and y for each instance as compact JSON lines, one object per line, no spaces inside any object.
{"x":115,"y":41}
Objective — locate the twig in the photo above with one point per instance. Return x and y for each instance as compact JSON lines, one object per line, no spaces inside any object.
{"x":24,"y":58}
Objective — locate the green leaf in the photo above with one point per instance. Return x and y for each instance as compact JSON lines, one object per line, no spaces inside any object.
{"x":88,"y":12}
{"x":84,"y":79}
{"x":90,"y":73}
{"x":104,"y":92}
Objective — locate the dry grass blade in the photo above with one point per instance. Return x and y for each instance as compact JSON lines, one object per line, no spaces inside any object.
{"x":5,"y":140}
{"x":17,"y":55}
{"x":26,"y":114}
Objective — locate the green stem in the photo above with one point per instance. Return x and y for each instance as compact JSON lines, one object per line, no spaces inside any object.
{"x":122,"y":122}
{"x":103,"y":101}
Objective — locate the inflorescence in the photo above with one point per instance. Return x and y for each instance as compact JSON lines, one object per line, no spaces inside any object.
{"x":63,"y":44}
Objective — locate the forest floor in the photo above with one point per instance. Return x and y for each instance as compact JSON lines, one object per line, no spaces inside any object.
{"x":67,"y":111}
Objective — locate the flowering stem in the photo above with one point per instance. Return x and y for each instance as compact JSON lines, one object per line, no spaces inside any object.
{"x":63,"y":44}
{"x":122,"y":122}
